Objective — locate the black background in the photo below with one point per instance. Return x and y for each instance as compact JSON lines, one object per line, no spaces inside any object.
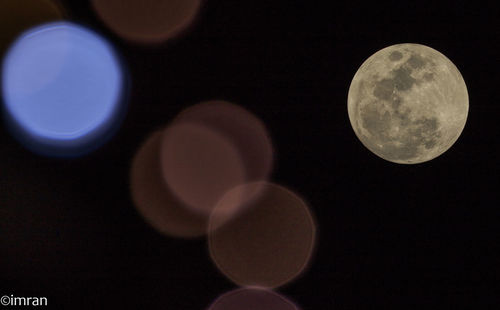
{"x":390,"y":235}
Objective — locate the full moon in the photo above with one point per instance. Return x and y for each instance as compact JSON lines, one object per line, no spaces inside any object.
{"x":408,"y":103}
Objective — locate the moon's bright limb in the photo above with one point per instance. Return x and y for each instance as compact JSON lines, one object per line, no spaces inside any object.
{"x":408,"y":103}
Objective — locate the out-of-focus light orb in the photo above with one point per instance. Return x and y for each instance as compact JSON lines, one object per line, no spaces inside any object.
{"x":199,"y":165}
{"x":212,"y":147}
{"x":154,"y":201}
{"x":147,"y":21}
{"x":63,"y":89}
{"x":17,"y":16}
{"x":268,"y":242}
{"x":251,"y":298}
{"x":240,"y":127}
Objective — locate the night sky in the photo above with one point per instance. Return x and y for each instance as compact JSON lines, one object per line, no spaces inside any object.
{"x":389,"y":235}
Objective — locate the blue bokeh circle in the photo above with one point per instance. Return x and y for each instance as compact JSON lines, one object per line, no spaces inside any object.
{"x":63,"y":89}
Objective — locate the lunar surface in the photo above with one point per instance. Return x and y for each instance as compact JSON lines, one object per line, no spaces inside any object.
{"x":408,"y":103}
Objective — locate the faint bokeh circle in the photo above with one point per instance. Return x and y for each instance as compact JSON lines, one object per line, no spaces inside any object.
{"x":147,"y":21}
{"x":266,"y":243}
{"x":17,"y":16}
{"x":154,"y":201}
{"x":252,"y":299}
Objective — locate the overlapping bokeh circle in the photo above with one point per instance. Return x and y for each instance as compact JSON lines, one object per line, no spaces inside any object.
{"x":207,"y":150}
{"x":208,"y":172}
